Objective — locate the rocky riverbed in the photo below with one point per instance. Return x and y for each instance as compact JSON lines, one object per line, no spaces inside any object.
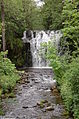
{"x":34,"y":99}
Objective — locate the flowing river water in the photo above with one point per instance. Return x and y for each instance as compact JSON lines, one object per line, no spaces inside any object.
{"x":34,"y":98}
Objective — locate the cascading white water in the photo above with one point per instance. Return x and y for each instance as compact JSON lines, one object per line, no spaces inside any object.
{"x":36,"y":38}
{"x":39,"y":3}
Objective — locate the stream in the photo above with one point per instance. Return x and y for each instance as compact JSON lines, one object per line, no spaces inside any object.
{"x":34,"y":97}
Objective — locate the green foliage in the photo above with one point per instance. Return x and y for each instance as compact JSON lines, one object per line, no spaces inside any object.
{"x":70,"y":41}
{"x":0,"y":35}
{"x":70,"y":31}
{"x":67,"y":75}
{"x":8,"y":74}
{"x":15,"y":51}
{"x":55,"y":61}
{"x":20,"y":15}
{"x":15,"y":25}
{"x":1,"y":112}
{"x":51,"y":12}
{"x":70,"y":87}
{"x":8,"y":77}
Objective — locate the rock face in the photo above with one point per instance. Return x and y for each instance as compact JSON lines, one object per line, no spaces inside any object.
{"x":34,"y":100}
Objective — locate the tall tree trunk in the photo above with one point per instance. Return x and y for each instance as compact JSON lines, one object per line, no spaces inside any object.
{"x":3,"y":25}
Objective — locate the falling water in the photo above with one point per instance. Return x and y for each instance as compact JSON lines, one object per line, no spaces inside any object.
{"x":36,"y":38}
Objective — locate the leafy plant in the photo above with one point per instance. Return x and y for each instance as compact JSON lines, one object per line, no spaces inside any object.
{"x":55,"y":61}
{"x":66,"y":72}
{"x":70,"y":87}
{"x":70,"y":29}
{"x":51,"y":13}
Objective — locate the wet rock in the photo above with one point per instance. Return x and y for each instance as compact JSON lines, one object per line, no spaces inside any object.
{"x":3,"y":96}
{"x":30,"y":85}
{"x":55,"y":90}
{"x":17,"y":117}
{"x":23,"y":78}
{"x":27,"y":81}
{"x":38,"y":103}
{"x":25,"y":107}
{"x":43,"y":110}
{"x":19,"y":93}
{"x":33,"y":79}
{"x":58,"y":110}
{"x":33,"y":75}
{"x":48,"y":104}
{"x":42,"y":102}
{"x":19,"y":81}
{"x":37,"y":81}
{"x":52,"y":87}
{"x":53,"y":83}
{"x":22,"y":82}
{"x":50,"y":108}
{"x":24,"y":86}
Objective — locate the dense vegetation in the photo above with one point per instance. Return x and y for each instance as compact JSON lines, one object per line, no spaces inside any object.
{"x":8,"y":73}
{"x":51,"y":13}
{"x":21,"y":15}
{"x":66,"y":65}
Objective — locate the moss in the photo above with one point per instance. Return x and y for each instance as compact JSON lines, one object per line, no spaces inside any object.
{"x":1,"y":112}
{"x":10,"y":95}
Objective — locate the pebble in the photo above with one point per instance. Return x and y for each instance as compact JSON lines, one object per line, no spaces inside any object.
{"x":50,"y":108}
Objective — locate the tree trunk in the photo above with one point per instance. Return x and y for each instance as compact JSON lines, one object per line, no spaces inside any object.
{"x":3,"y":25}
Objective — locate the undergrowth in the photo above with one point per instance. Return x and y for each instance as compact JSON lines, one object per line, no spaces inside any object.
{"x":66,"y":73}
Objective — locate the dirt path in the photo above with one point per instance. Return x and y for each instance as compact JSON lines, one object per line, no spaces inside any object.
{"x":34,"y":99}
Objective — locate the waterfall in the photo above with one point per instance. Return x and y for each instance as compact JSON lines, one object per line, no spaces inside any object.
{"x":36,"y":38}
{"x":39,"y":3}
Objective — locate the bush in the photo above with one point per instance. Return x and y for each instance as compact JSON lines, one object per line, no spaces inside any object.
{"x":66,"y":72}
{"x":70,"y":87}
{"x":8,"y":74}
{"x":58,"y":63}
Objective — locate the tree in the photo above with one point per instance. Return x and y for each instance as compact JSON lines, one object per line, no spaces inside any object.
{"x":3,"y":25}
{"x":32,"y":13}
{"x":51,"y":12}
{"x":20,"y":15}
{"x":71,"y":26}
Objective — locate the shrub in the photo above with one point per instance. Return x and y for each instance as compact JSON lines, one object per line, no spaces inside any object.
{"x":70,"y":87}
{"x":8,"y":74}
{"x":58,"y":63}
{"x":66,"y":72}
